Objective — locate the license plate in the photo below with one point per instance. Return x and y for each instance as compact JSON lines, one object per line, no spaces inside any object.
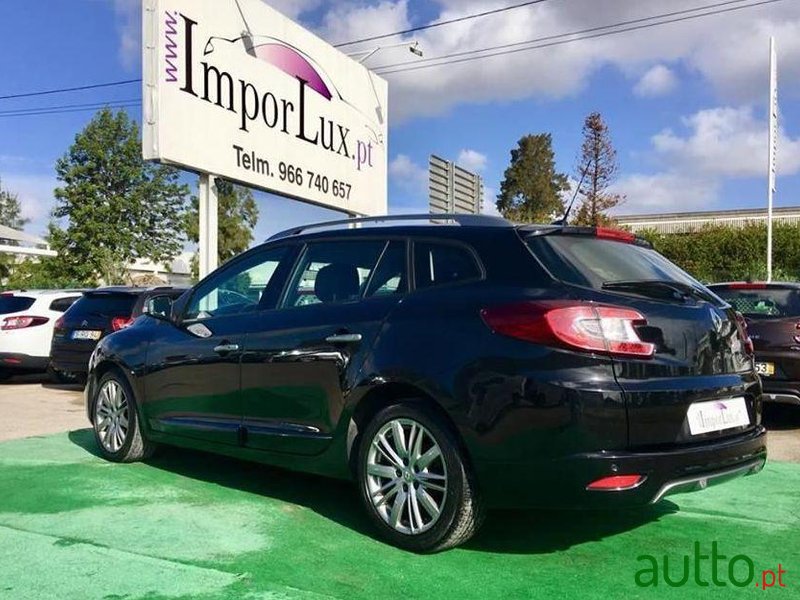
{"x":717,"y":415}
{"x":765,"y":368}
{"x":86,"y":335}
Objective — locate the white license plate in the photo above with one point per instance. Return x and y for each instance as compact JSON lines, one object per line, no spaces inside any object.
{"x":765,"y":368}
{"x":86,"y":334}
{"x":717,"y":415}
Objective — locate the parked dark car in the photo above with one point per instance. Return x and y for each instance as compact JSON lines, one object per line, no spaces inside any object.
{"x":95,"y":315}
{"x":772,"y":312}
{"x":447,"y":366}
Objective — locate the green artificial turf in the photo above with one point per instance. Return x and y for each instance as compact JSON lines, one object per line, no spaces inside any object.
{"x":190,"y":525}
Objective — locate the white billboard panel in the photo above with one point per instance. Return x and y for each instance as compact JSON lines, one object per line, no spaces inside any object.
{"x":253,"y":97}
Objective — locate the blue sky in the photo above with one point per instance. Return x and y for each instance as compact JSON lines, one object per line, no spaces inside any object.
{"x":685,"y":101}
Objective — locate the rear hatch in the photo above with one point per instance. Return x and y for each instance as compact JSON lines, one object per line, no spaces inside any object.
{"x":698,"y":384}
{"x":772,"y":312}
{"x":92,"y":317}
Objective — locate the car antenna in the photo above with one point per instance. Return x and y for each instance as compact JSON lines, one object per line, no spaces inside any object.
{"x":563,"y":220}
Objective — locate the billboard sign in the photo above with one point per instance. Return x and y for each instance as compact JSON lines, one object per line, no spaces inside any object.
{"x":237,"y":90}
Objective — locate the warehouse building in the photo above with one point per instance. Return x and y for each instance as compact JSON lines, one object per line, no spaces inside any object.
{"x":691,"y":221}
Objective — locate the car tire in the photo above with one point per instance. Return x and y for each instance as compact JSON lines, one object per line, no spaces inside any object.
{"x":115,"y":421}
{"x":424,"y":500}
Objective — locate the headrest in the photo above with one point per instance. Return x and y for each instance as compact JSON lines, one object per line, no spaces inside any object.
{"x":337,"y":283}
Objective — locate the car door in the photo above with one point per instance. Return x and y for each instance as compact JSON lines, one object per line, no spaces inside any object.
{"x":301,"y":360}
{"x":192,"y":387}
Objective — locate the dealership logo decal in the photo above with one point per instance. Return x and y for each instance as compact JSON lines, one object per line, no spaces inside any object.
{"x":199,"y":77}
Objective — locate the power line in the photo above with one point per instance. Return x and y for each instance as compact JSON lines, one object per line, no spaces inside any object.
{"x":595,"y":32}
{"x":440,"y":23}
{"x":55,"y":110}
{"x":92,"y":86}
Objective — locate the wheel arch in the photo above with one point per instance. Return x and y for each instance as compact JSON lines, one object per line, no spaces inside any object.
{"x":389,"y":394}
{"x":98,"y":372}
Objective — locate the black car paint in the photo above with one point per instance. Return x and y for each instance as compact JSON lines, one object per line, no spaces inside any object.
{"x":537,"y":423}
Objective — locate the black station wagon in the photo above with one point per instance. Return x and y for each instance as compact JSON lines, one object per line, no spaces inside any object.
{"x":447,"y":364}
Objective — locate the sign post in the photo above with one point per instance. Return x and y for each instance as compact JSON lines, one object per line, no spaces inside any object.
{"x":209,"y":224}
{"x":773,"y":148}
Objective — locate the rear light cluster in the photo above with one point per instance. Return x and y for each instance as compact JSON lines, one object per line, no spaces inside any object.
{"x":616,"y":483}
{"x":579,"y":326}
{"x":749,"y":349}
{"x":118,"y":323}
{"x":11,"y":323}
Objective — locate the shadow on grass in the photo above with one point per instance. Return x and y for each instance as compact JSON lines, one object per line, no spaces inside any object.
{"x":781,"y":417}
{"x":511,"y":532}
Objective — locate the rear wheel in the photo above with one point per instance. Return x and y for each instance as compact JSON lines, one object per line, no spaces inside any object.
{"x":414,"y":481}
{"x":116,"y":421}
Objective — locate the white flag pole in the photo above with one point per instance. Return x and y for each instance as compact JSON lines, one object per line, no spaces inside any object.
{"x":773,"y":147}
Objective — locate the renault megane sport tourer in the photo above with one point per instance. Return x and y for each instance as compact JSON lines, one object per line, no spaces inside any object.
{"x":447,"y":365}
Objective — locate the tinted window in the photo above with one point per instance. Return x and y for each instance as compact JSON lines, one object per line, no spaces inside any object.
{"x":62,"y":304}
{"x":439,"y":264}
{"x":334,"y":272}
{"x":103,"y":305}
{"x":768,"y":302}
{"x":390,"y":276}
{"x":590,"y":261}
{"x":12,"y":304}
{"x":250,"y":284}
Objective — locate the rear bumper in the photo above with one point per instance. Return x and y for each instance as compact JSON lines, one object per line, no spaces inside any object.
{"x":12,"y":361}
{"x":782,"y":392}
{"x":561,"y":483}
{"x":70,"y":360}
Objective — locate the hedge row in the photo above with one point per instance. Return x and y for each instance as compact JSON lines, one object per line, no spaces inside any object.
{"x":716,"y":253}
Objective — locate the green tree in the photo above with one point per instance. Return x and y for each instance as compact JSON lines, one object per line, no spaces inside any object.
{"x":10,"y":209}
{"x":238,"y":215}
{"x":531,"y":188}
{"x":597,"y":169}
{"x":117,"y":206}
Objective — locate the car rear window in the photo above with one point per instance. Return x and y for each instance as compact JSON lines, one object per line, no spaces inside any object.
{"x":13,"y":304}
{"x":591,"y":262}
{"x":104,"y":305}
{"x":766,"y":302}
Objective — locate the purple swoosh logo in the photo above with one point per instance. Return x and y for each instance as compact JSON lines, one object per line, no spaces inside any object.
{"x":292,"y":63}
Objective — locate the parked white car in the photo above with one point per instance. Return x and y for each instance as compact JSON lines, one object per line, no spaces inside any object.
{"x":27,"y":320}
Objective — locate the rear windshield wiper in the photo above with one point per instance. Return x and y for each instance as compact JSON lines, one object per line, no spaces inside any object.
{"x":659,"y":288}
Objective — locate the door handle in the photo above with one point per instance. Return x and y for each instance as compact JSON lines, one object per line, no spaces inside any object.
{"x":226,"y":348}
{"x":344,"y":338}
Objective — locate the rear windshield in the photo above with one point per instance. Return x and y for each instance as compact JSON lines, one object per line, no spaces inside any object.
{"x":590,"y":262}
{"x":13,"y":304}
{"x":103,"y":305}
{"x":768,"y":302}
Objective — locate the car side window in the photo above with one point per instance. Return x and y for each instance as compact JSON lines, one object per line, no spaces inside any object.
{"x":390,"y":276}
{"x":62,"y":304}
{"x":440,"y":264}
{"x":245,"y":287}
{"x":334,"y":272}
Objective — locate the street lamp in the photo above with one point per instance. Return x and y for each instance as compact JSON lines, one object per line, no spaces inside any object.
{"x":413,"y":47}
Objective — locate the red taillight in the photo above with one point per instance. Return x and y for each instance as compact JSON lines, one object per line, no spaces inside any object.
{"x":580,"y":326}
{"x":616,"y":483}
{"x":615,"y":234}
{"x":747,"y":341}
{"x":747,"y":286}
{"x":59,"y":323}
{"x":118,"y":323}
{"x":10,"y":323}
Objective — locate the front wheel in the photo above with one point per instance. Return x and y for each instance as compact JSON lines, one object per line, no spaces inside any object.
{"x":414,"y":481}
{"x":116,"y":421}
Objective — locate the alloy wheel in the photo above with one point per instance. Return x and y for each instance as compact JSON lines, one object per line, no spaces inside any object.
{"x":111,"y":416}
{"x":406,"y":476}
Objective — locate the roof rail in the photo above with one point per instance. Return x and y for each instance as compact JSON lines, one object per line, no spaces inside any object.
{"x":449,"y":218}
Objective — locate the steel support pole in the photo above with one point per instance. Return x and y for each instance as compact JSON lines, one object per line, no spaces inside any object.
{"x":209,"y":225}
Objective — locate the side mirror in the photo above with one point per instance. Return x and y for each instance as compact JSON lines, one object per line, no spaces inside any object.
{"x":159,"y":307}
{"x":179,"y":306}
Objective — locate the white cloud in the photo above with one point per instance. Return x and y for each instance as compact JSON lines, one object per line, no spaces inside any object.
{"x":129,"y":25}
{"x":408,"y":175}
{"x":35,"y":194}
{"x":657,"y":81}
{"x":728,"y":50}
{"x":670,"y":191}
{"x":472,"y":160}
